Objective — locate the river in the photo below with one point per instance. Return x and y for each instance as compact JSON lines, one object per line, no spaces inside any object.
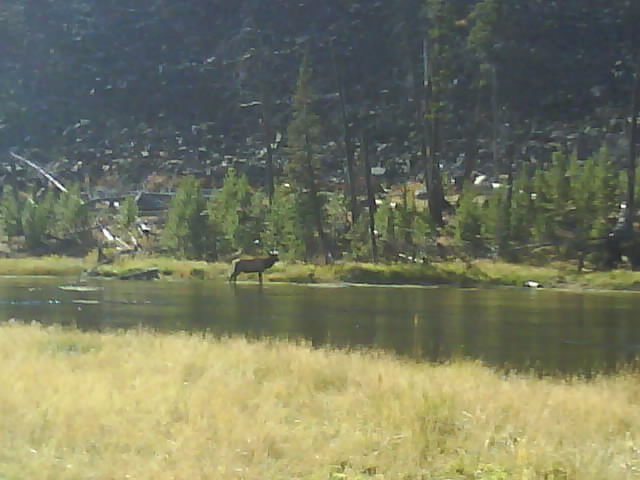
{"x":543,"y":330}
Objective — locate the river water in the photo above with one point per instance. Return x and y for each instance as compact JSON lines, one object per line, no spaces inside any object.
{"x":544,"y":330}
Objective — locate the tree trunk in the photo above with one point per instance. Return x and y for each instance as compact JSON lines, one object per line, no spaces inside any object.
{"x":505,"y":220}
{"x":633,"y":138}
{"x":371,"y":201}
{"x":347,"y":139}
{"x":266,"y":102}
{"x":430,"y":143}
{"x":497,"y":163}
{"x":315,"y":200}
{"x":471,"y":147}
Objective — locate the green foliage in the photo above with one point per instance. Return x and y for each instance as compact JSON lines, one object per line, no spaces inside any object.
{"x":386,"y":225}
{"x":594,"y":196}
{"x":303,"y":132}
{"x":304,"y":129}
{"x":309,"y":211}
{"x":128,"y":213}
{"x":359,"y":240}
{"x":441,"y":43}
{"x":506,"y":219}
{"x":37,"y":218}
{"x":72,"y":214}
{"x":236,"y":215}
{"x":10,"y":214}
{"x":185,"y":233}
{"x":339,"y":225}
{"x":492,"y":472}
{"x":568,"y":204}
{"x":494,"y":223}
{"x":302,"y":162}
{"x":404,"y":229}
{"x":282,"y":226}
{"x":468,"y":226}
{"x":423,"y":231}
{"x":484,"y":20}
{"x":521,"y":209}
{"x":575,"y":197}
{"x":551,"y":188}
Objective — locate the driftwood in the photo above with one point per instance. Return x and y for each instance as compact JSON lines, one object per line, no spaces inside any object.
{"x":41,"y":171}
{"x":149,"y":274}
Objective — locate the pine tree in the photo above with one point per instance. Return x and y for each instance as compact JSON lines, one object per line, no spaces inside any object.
{"x":128,"y":213}
{"x":521,"y":209}
{"x":10,"y":213}
{"x":303,"y":137}
{"x":37,"y":219}
{"x":551,"y":206}
{"x":185,"y":232}
{"x":386,"y":224}
{"x":493,"y":221}
{"x":595,"y":194}
{"x":236,"y":214}
{"x":72,"y":214}
{"x":282,"y":226}
{"x":468,"y":227}
{"x":437,"y":73}
{"x":481,"y":41}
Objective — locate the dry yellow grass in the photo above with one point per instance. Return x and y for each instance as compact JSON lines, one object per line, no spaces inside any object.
{"x":148,"y":406}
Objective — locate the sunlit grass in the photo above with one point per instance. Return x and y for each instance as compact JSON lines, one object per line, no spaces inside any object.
{"x":168,"y":267}
{"x":53,"y":265}
{"x":615,"y":279}
{"x":148,"y":406}
{"x":454,"y":272}
{"x":503,"y":273}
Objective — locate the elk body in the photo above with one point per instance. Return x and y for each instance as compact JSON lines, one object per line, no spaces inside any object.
{"x":252,"y":265}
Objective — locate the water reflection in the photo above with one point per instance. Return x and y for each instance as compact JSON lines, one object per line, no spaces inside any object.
{"x":549,"y":331}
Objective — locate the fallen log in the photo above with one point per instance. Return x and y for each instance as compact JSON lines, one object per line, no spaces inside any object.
{"x":149,"y":274}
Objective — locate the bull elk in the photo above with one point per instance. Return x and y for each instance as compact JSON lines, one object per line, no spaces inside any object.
{"x":252,"y":265}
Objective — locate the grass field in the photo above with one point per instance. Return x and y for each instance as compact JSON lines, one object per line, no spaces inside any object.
{"x":142,"y":405}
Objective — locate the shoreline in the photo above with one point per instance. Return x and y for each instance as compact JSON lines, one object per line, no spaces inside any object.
{"x":476,"y":274}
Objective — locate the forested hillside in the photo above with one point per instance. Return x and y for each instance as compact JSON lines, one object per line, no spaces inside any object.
{"x":81,"y":71}
{"x":427,"y":90}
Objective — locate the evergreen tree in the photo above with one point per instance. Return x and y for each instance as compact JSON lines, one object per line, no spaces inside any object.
{"x":482,"y":41}
{"x":72,"y":214}
{"x":128,"y":213}
{"x":236,"y":213}
{"x":521,"y":209}
{"x":424,"y":233}
{"x":386,"y":224}
{"x":10,"y":213}
{"x":37,"y":219}
{"x":303,"y":137}
{"x":282,"y":226}
{"x":468,"y":226}
{"x":551,"y":189}
{"x":185,"y":233}
{"x":438,"y":75}
{"x":493,"y":221}
{"x":594,"y":194}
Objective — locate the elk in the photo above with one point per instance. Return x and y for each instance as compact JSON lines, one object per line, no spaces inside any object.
{"x":252,"y":265}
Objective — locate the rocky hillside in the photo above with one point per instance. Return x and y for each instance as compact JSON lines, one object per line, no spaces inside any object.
{"x":127,"y":90}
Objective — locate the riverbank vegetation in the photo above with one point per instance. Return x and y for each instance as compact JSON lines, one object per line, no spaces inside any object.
{"x":477,"y":273}
{"x":153,"y":406}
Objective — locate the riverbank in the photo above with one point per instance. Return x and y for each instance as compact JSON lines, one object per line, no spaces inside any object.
{"x":150,"y":406}
{"x":467,"y":274}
